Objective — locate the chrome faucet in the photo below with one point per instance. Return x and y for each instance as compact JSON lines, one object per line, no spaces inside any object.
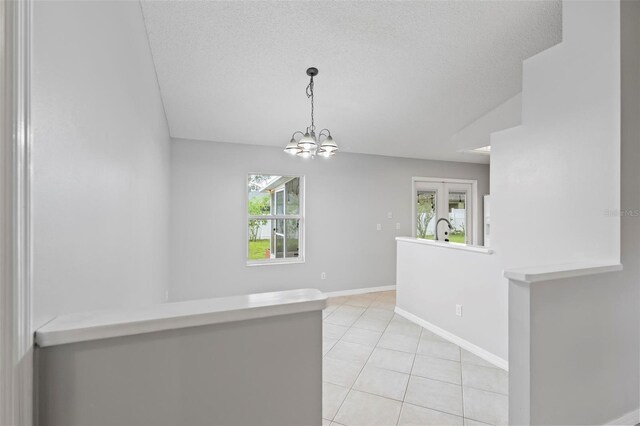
{"x":438,"y":223}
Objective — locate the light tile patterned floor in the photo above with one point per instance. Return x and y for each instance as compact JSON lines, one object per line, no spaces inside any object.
{"x":380,"y":369}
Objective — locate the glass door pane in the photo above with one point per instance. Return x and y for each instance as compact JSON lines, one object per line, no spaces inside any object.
{"x":426,"y":213}
{"x":452,"y":201}
{"x":457,"y":215}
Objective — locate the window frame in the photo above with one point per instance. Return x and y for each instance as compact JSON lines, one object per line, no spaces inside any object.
{"x":454,"y":184}
{"x":272,"y":217}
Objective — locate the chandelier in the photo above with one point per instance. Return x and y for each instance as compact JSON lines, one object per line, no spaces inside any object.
{"x":309,"y":145}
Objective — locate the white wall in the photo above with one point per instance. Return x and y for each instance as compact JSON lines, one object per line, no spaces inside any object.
{"x":569,"y":162}
{"x":584,"y":349}
{"x":585,"y":331}
{"x":454,"y":277}
{"x":432,"y":280}
{"x":345,"y":198}
{"x":100,"y":160}
{"x":265,"y":371}
{"x":553,"y":177}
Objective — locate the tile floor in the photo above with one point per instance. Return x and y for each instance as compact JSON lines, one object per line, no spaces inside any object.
{"x":380,"y":369}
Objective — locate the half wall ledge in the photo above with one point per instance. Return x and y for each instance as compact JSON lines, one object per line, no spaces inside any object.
{"x":561,"y":271}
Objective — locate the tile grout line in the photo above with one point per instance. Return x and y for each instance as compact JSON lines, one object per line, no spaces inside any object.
{"x":462,"y":387}
{"x":413,"y":363}
{"x":324,"y":356}
{"x":365,"y":364}
{"x":415,"y":405}
{"x":410,"y":375}
{"x":374,"y":347}
{"x":351,"y":387}
{"x":489,"y":391}
{"x":435,"y":409}
{"x":436,"y":380}
{"x":415,"y":354}
{"x":404,"y":402}
{"x":369,"y":357}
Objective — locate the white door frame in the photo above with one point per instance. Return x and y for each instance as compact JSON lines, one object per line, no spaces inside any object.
{"x":16,"y":334}
{"x":473,"y":202}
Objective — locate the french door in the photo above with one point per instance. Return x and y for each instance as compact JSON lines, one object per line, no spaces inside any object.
{"x":443,"y":199}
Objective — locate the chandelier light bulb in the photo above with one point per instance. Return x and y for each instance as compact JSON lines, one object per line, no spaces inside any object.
{"x":304,"y":154}
{"x":326,"y":154}
{"x":308,"y":141}
{"x":328,"y":145}
{"x":292,"y":147}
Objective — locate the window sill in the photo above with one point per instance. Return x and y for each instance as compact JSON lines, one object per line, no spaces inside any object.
{"x":275,"y":262}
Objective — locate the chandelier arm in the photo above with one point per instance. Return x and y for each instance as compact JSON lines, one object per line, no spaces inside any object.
{"x":327,"y":134}
{"x":295,"y":133}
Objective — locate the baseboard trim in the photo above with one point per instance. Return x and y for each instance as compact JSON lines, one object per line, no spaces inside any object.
{"x":355,"y":291}
{"x":630,"y":419}
{"x":476,"y":350}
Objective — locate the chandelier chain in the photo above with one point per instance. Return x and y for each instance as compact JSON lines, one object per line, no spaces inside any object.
{"x":310,"y":95}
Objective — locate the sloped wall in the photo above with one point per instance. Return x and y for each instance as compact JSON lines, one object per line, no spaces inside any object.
{"x":100,"y":161}
{"x":555,"y":178}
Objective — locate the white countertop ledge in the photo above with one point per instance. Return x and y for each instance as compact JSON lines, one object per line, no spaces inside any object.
{"x":443,"y":244}
{"x":561,"y":271}
{"x":96,"y":325}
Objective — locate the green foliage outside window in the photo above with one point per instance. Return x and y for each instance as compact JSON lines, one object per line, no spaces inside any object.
{"x":426,"y":209}
{"x":259,"y":205}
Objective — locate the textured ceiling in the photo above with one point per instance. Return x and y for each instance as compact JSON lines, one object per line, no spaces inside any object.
{"x":396,"y":78}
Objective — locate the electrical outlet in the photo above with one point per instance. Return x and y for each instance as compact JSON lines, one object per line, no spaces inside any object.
{"x":390,"y":215}
{"x":379,"y":227}
{"x":323,"y":275}
{"x":459,"y":310}
{"x":398,"y":225}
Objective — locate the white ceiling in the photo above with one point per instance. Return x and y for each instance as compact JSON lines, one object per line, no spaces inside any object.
{"x":396,"y":78}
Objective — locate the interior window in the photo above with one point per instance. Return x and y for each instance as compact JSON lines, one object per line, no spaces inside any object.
{"x":275,"y":221}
